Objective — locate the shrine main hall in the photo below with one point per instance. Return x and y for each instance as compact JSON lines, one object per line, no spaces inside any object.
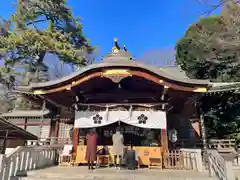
{"x":154,"y":107}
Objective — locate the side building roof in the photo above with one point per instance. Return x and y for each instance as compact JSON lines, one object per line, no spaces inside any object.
{"x":11,"y":131}
{"x":25,"y":113}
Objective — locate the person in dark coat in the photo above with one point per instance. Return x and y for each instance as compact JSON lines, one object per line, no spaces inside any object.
{"x":91,"y":152}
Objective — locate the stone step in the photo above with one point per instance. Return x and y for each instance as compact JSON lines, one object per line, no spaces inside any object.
{"x":126,"y":178}
{"x":117,"y":178}
{"x":81,"y":173}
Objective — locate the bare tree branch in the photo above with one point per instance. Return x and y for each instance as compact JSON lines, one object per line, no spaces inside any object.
{"x":159,"y":57}
{"x":213,"y":6}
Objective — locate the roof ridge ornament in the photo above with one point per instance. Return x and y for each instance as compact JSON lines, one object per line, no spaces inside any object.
{"x":116,"y":48}
{"x":125,"y":48}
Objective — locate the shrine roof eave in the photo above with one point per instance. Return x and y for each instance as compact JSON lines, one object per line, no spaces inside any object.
{"x":123,"y":65}
{"x":224,"y":87}
{"x":14,"y":132}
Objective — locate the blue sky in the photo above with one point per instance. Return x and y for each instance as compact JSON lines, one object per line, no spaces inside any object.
{"x":143,"y":26}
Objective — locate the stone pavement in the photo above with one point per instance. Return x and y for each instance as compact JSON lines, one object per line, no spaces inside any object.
{"x":81,"y":173}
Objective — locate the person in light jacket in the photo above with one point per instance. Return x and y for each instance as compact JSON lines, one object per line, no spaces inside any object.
{"x":118,"y":147}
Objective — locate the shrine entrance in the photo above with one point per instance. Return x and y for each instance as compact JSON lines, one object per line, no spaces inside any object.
{"x":133,"y":135}
{"x":141,"y":130}
{"x":146,"y":143}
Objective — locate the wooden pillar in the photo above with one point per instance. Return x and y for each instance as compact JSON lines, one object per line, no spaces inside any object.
{"x":203,"y":133}
{"x":50,"y":130}
{"x":5,"y":142}
{"x":25,"y":123}
{"x":164,"y":139}
{"x":56,"y":132}
{"x":164,"y":135}
{"x":75,"y":139}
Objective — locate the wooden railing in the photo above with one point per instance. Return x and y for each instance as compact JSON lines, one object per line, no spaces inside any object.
{"x":212,"y":143}
{"x":219,"y":167}
{"x":221,"y":143}
{"x":178,"y":160}
{"x":186,"y":159}
{"x":53,"y":140}
{"x":23,"y":159}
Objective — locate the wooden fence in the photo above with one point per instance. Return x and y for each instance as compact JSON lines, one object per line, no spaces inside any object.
{"x":221,"y":143}
{"x":180,"y":159}
{"x":212,"y":143}
{"x":50,"y":141}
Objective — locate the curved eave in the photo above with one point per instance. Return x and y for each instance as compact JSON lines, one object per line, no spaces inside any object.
{"x":224,"y":87}
{"x":201,"y":85}
{"x":145,"y":67}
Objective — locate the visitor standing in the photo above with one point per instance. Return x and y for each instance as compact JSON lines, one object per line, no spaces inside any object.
{"x":91,"y":152}
{"x":118,"y":147}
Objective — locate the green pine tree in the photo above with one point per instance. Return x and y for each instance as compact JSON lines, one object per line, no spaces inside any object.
{"x":35,"y":29}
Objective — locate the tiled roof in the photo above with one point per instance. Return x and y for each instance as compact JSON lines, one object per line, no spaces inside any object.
{"x":26,"y":113}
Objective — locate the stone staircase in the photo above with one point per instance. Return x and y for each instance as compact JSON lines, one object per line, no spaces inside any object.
{"x":81,"y":173}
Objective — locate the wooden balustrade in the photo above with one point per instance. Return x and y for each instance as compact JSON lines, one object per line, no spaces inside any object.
{"x":219,"y":167}
{"x":186,"y":159}
{"x":23,"y":159}
{"x":212,"y":143}
{"x":53,"y":140}
{"x":221,"y":143}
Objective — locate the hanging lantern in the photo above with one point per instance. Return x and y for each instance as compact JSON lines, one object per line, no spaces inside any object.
{"x":77,"y":98}
{"x":71,"y":133}
{"x":172,"y":134}
{"x":75,"y":107}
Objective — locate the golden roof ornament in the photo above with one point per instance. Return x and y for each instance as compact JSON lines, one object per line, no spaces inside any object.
{"x":125,"y":48}
{"x":116,"y":47}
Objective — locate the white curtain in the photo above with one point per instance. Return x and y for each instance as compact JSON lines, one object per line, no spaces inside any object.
{"x":143,"y":119}
{"x":148,"y":119}
{"x":91,"y":119}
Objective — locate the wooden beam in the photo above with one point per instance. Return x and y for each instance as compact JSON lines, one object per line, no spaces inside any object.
{"x":25,"y":124}
{"x":75,"y":139}
{"x":11,"y":137}
{"x":52,"y":101}
{"x":50,"y":130}
{"x":32,"y":124}
{"x":56,"y":131}
{"x":164,"y":135}
{"x":164,"y":140}
{"x":120,"y":95}
{"x":171,"y":85}
{"x":9,"y":130}
{"x":122,"y":104}
{"x":203,"y":133}
{"x":5,"y":142}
